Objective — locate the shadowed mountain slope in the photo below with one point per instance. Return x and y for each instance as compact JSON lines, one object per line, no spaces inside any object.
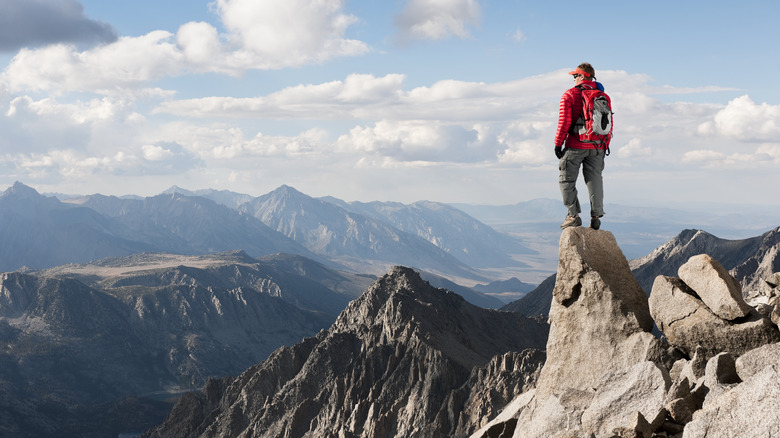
{"x":111,"y":333}
{"x":385,"y":368}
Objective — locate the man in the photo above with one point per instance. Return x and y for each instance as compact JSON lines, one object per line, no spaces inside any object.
{"x":579,"y":153}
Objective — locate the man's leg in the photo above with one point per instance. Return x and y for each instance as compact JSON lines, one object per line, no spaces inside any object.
{"x":569,"y":167}
{"x":592,"y":167}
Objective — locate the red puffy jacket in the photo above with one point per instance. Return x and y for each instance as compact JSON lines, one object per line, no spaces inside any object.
{"x":569,"y":111}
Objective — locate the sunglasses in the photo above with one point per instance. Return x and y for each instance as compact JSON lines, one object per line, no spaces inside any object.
{"x":576,"y":77}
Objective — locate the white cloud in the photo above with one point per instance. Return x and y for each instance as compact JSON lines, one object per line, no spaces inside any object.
{"x":743,"y":119}
{"x":128,"y":62}
{"x":424,"y":141}
{"x":437,"y":19}
{"x":199,"y":42}
{"x":78,"y":112}
{"x":634,"y":148}
{"x":274,"y":34}
{"x":155,"y":153}
{"x":362,"y":96}
{"x":262,"y":35}
{"x":358,"y":93}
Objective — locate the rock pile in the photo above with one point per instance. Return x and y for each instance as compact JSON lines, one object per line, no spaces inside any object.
{"x":714,"y":372}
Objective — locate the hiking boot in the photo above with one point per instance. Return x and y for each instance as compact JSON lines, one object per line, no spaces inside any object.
{"x":595,"y":222}
{"x":571,"y":221}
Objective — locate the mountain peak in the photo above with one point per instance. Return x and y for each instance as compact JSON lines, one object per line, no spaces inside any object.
{"x":287,"y":191}
{"x":176,"y":189}
{"x":402,"y":305}
{"x":21,"y":191}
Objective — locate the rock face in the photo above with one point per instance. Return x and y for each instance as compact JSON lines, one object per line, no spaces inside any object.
{"x":604,"y":370}
{"x":599,"y":319}
{"x":724,"y":382}
{"x":398,"y":361}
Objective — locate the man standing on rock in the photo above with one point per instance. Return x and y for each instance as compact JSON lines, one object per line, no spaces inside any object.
{"x":582,"y":148}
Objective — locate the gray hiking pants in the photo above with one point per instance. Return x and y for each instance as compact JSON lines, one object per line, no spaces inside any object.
{"x":592,"y":161}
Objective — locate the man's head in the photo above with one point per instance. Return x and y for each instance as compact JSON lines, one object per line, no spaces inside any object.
{"x":583,"y":72}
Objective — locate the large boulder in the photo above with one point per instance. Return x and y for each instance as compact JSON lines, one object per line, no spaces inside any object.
{"x":715,"y":286}
{"x":599,"y":318}
{"x":687,"y":322}
{"x":748,"y":409}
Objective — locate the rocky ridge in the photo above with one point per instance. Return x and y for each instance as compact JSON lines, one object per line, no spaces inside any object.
{"x":404,"y":359}
{"x":713,"y":374}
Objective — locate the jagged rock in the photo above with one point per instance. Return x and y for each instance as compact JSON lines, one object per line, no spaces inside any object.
{"x":488,"y":389}
{"x":749,"y":409}
{"x":687,"y":322}
{"x":681,"y":409}
{"x":504,"y":424}
{"x":679,"y":402}
{"x":599,"y":318}
{"x":756,"y":360}
{"x":719,"y":377}
{"x":639,"y":388}
{"x":715,"y":286}
{"x":721,"y":370}
{"x":773,"y":280}
{"x":600,"y":324}
{"x":386,"y":368}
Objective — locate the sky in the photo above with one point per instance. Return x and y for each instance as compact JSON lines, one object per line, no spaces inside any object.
{"x":388,"y":100}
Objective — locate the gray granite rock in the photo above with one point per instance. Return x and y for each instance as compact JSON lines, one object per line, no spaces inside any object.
{"x":715,"y":286}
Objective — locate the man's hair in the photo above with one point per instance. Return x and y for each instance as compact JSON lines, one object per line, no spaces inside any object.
{"x":587,"y":68}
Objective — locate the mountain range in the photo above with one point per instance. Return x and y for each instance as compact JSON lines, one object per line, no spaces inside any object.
{"x":133,"y":330}
{"x":115,"y":304}
{"x":42,"y":231}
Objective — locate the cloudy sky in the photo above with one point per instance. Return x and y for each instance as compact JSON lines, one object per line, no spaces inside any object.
{"x":390,"y":100}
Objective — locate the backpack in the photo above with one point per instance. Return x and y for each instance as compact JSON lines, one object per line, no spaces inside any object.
{"x":595,"y":123}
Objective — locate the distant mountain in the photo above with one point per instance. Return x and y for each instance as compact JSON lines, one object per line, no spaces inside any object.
{"x":469,"y":294}
{"x":748,"y":260}
{"x":223,"y":197}
{"x":358,"y":241}
{"x":111,"y":333}
{"x":447,"y":227}
{"x":397,"y":362}
{"x":537,"y":302}
{"x":191,"y":225}
{"x":38,"y":231}
{"x":505,"y":290}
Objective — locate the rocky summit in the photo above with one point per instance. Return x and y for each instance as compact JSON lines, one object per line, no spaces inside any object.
{"x":714,"y":373}
{"x":404,"y":359}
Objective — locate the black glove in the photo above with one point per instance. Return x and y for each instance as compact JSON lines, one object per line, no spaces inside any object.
{"x":558,"y":152}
